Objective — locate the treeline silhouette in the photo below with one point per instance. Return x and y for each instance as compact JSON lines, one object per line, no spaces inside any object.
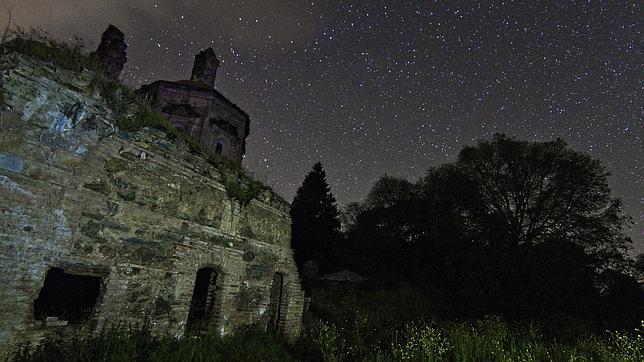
{"x":517,"y":228}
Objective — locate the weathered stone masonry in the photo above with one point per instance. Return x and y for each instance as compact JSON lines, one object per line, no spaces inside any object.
{"x":133,"y":209}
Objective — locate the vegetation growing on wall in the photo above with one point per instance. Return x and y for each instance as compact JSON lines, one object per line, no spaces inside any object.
{"x":131,"y":113}
{"x":147,"y":118}
{"x":239,"y":185}
{"x":40,"y":45}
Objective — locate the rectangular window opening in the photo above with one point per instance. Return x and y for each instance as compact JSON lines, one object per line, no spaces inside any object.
{"x":67,"y":297}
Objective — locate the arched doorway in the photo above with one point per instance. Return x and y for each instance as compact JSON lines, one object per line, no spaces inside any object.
{"x":202,"y":306}
{"x":276,"y":302}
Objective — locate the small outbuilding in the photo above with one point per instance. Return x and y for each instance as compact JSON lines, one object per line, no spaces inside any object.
{"x":345,"y":275}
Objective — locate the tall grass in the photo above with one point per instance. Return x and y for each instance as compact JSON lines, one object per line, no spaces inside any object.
{"x":122,"y":343}
{"x":39,"y":44}
{"x":374,"y":324}
{"x":489,"y":339}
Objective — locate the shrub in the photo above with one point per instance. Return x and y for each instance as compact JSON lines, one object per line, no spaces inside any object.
{"x":239,"y":185}
{"x":147,"y":118}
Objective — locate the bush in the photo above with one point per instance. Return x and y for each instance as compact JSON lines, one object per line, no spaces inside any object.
{"x":239,"y":185}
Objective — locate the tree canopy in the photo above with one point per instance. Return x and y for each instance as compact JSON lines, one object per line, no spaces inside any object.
{"x":539,"y":192}
{"x":315,"y":220}
{"x":512,"y":226}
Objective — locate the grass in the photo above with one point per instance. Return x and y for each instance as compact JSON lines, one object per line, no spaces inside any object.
{"x":364,"y":324}
{"x":487,"y":339}
{"x":375,"y":324}
{"x":123,"y":343}
{"x":71,"y":56}
{"x":147,"y":118}
{"x":40,"y":45}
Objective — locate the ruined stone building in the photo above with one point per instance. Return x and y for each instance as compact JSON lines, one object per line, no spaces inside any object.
{"x":100,"y":226}
{"x":196,"y":107}
{"x":112,"y":52}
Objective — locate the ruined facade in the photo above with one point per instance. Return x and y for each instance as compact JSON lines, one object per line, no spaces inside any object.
{"x":196,"y":107}
{"x":99,"y":226}
{"x":112,"y":52}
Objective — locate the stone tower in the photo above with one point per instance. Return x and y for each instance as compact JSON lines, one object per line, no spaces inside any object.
{"x":197,"y":108}
{"x":111,"y":52}
{"x":205,"y":67}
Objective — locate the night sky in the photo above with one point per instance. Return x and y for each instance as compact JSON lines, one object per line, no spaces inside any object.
{"x":375,"y":87}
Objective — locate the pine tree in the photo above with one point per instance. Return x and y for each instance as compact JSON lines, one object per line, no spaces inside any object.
{"x":315,"y":220}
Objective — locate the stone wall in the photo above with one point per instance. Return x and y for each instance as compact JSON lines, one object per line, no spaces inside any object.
{"x":134,"y":209}
{"x":203,"y":113}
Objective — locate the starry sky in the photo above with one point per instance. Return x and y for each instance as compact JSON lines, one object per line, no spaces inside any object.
{"x":375,"y":87}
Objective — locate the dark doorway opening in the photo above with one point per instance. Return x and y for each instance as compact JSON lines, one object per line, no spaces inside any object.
{"x":203,"y":299}
{"x":67,"y":296}
{"x":276,"y":302}
{"x":219,"y":148}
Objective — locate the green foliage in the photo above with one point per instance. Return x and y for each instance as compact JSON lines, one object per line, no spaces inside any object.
{"x":535,"y":192}
{"x":370,"y":323}
{"x":122,"y":343}
{"x":629,"y":347}
{"x":119,"y":98}
{"x":384,"y":308}
{"x":239,"y":185}
{"x":488,"y":339}
{"x":147,"y":118}
{"x":315,"y":220}
{"x":42,"y":46}
{"x":421,"y":343}
{"x":327,"y":340}
{"x":513,"y":227}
